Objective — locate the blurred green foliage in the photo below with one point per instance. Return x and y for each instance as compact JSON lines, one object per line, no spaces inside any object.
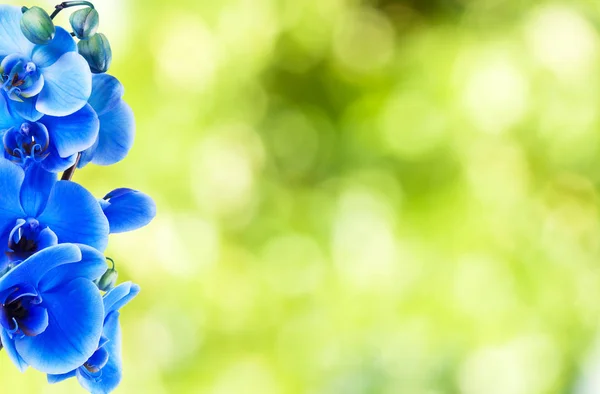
{"x":358,"y":197}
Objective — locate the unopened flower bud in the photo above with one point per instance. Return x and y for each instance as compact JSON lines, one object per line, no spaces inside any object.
{"x":96,"y":50}
{"x":108,"y":280}
{"x":84,"y":22}
{"x":37,"y":26}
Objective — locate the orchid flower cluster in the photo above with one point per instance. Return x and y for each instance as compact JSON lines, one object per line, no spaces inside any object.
{"x":59,"y":111}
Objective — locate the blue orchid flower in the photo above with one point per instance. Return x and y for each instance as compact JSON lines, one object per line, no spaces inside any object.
{"x":38,"y":211}
{"x":51,"y":79}
{"x":101,"y":373}
{"x":52,"y":141}
{"x":51,"y":313}
{"x":117,"y":125}
{"x":54,"y":116}
{"x":127,"y":209}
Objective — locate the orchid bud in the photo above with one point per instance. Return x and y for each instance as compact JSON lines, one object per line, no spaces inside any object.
{"x":108,"y":280}
{"x":96,"y":51}
{"x":37,"y":26}
{"x":84,"y":22}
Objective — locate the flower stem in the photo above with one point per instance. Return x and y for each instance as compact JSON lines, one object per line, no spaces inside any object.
{"x":67,"y":4}
{"x":68,"y":174}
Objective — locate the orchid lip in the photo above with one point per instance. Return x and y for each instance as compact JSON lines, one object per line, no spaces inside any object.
{"x":29,"y":141}
{"x":21,"y":77}
{"x":26,"y":238}
{"x":21,"y":313}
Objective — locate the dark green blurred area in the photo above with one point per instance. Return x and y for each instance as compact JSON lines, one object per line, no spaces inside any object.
{"x":358,"y":197}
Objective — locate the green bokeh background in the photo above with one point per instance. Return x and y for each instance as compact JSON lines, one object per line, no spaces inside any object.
{"x":358,"y":197}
